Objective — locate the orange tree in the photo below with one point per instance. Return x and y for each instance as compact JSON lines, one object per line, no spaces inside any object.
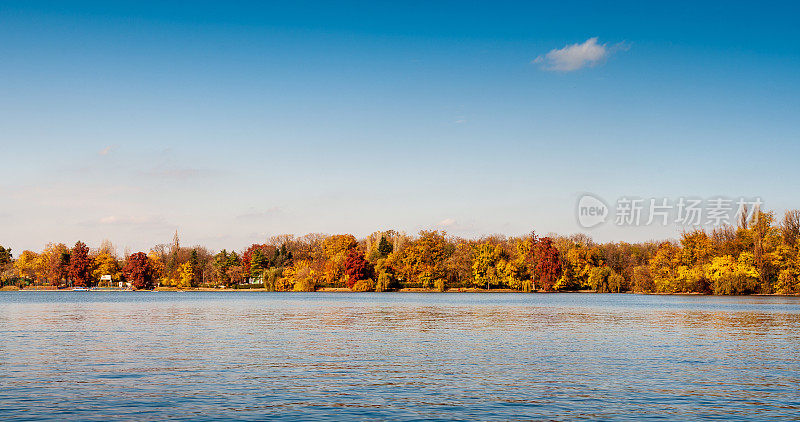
{"x":79,"y":263}
{"x":137,"y":271}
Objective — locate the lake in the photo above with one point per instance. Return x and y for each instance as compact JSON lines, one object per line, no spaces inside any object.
{"x":399,"y":356}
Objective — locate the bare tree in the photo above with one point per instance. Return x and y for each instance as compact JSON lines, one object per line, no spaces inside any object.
{"x":790,"y":227}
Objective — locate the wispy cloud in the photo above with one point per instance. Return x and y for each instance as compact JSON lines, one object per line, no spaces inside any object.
{"x":149,"y":221}
{"x":577,"y":56}
{"x":107,"y":150}
{"x":447,"y":222}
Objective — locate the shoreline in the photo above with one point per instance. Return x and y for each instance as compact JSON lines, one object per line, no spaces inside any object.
{"x":404,"y":290}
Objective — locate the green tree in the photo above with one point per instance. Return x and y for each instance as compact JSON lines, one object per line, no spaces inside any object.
{"x":384,"y":247}
{"x":258,"y":263}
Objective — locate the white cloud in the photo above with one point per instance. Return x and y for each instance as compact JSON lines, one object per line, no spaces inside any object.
{"x":577,"y":56}
{"x":447,"y":222}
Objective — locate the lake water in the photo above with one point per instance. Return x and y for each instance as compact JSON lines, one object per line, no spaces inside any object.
{"x":255,"y":355}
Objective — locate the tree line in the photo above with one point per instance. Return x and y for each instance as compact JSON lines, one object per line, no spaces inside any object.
{"x":757,"y":255}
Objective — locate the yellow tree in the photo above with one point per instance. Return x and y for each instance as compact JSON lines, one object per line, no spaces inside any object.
{"x":697,"y":248}
{"x":186,"y":275}
{"x":605,"y":280}
{"x":580,"y":260}
{"x":483,"y":265}
{"x":788,"y":261}
{"x":54,"y":263}
{"x":334,"y":250}
{"x":304,"y":277}
{"x":105,"y":264}
{"x":766,"y":238}
{"x":424,"y":259}
{"x":493,"y":265}
{"x":25,"y":265}
{"x":734,"y":276}
{"x":157,"y":267}
{"x":664,"y":268}
{"x":300,"y":277}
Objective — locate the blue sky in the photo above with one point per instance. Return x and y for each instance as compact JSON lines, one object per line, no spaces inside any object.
{"x":233,"y":121}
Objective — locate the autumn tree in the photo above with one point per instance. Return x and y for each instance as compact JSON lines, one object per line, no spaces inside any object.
{"x":157,"y":268}
{"x":458,"y":265}
{"x":105,"y":264}
{"x":264,"y":253}
{"x":79,"y":265}
{"x":335,"y":250}
{"x":221,"y":264}
{"x":356,"y":267}
{"x":138,"y":272}
{"x":5,"y":256}
{"x":282,"y":256}
{"x":548,"y":263}
{"x":642,"y":280}
{"x":384,"y":247}
{"x":6,"y":267}
{"x":488,"y":265}
{"x":664,"y":268}
{"x":186,"y":278}
{"x":605,"y":280}
{"x":786,"y":256}
{"x":172,"y":256}
{"x":234,"y":271}
{"x":25,"y":265}
{"x":300,"y":277}
{"x":423,"y":260}
{"x":579,"y":261}
{"x":790,"y":228}
{"x":53,"y":264}
{"x":734,"y":276}
{"x":766,"y":238}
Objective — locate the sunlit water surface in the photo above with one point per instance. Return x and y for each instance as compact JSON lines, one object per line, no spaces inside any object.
{"x":254,"y":356}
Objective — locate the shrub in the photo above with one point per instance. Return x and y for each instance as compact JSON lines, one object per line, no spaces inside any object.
{"x":384,"y":282}
{"x":364,"y":285}
{"x":787,"y":284}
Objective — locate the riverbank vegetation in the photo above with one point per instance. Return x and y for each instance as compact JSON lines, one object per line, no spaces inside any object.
{"x":759,"y":255}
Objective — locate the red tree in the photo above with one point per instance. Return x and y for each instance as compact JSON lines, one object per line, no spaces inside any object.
{"x":356,"y":267}
{"x":548,"y":263}
{"x":267,"y":250}
{"x":137,"y":271}
{"x":79,"y":265}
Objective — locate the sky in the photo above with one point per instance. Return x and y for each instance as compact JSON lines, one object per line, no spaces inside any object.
{"x":234,"y":121}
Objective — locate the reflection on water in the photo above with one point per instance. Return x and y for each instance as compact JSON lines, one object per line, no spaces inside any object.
{"x":223,"y":355}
